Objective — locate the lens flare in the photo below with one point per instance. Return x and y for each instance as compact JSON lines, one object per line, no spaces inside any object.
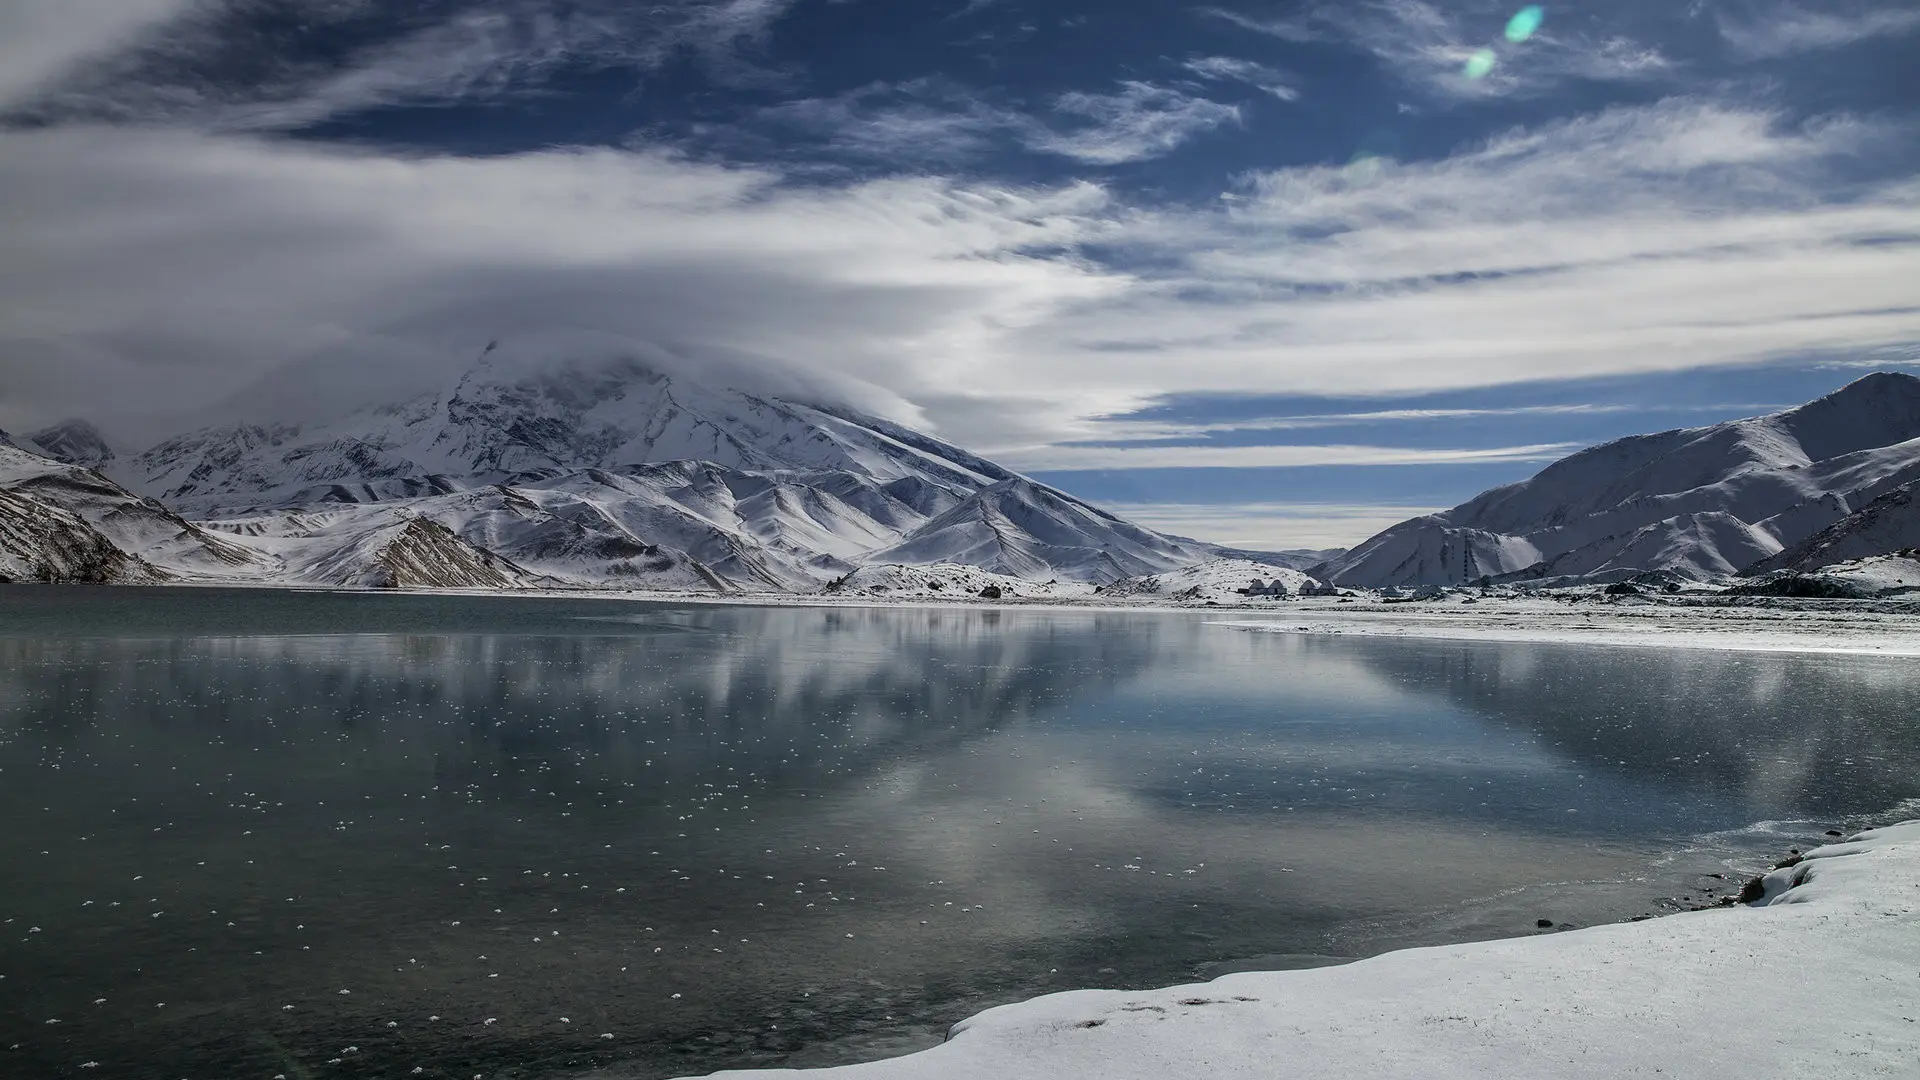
{"x":1480,"y":65}
{"x":1526,"y":23}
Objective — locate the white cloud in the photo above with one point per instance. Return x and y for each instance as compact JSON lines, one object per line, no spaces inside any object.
{"x":926,"y":120}
{"x":1298,"y":29}
{"x":172,"y":266}
{"x":1141,"y":121}
{"x":935,"y":120}
{"x":1786,"y":29}
{"x":1234,"y":69}
{"x":1271,"y":526}
{"x":182,"y":70}
{"x":1134,"y":430}
{"x":1659,"y":238}
{"x":1078,"y":458}
{"x":1427,"y":44}
{"x":42,"y":39}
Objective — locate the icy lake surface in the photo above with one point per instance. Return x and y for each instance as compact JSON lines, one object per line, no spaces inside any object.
{"x":259,"y":834}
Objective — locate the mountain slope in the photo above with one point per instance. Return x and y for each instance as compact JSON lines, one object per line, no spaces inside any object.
{"x":40,"y":541}
{"x":73,"y":442}
{"x":606,"y":472}
{"x":138,"y":528}
{"x":1023,"y":529}
{"x":500,"y":423}
{"x":1888,"y":523}
{"x":1701,"y":502}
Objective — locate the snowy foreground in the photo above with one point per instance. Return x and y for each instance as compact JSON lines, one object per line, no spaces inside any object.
{"x":1821,"y":978}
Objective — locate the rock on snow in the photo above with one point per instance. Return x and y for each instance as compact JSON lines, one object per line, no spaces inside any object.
{"x":1820,"y":979}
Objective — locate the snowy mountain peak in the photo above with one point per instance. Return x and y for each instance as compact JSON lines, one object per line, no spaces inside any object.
{"x":75,"y":442}
{"x":500,"y":422}
{"x":1702,"y":502}
{"x":602,"y":467}
{"x":1880,"y":409}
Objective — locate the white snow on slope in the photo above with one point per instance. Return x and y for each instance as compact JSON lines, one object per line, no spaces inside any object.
{"x":42,"y":542}
{"x":1822,"y":980}
{"x":1879,"y":575}
{"x":1888,"y":523}
{"x":605,"y":472}
{"x":1218,"y":580}
{"x":1701,"y":502}
{"x":504,"y":421}
{"x":946,"y":581}
{"x":1023,"y":529}
{"x":139,"y":528}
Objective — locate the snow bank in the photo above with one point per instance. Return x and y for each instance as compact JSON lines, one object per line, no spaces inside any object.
{"x":1884,"y":575}
{"x":1820,"y":980}
{"x":1217,"y":580}
{"x":1763,"y":626}
{"x":947,"y":581}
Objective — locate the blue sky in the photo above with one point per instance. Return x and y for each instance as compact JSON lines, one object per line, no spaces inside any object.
{"x":1269,"y":271}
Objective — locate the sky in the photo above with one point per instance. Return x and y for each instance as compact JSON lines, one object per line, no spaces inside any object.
{"x":1269,"y":272}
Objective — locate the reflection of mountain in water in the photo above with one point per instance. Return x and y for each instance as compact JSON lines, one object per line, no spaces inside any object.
{"x":735,"y":698}
{"x":1784,"y":734}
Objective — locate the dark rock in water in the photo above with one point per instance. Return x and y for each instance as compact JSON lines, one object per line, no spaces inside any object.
{"x":1543,"y":923}
{"x":991,"y":592}
{"x":1835,"y":832}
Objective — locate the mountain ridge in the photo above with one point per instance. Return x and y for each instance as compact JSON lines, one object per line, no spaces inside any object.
{"x":605,"y":471}
{"x":1703,"y":501}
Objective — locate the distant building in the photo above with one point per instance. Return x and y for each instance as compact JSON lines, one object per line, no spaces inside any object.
{"x":1278,"y":587}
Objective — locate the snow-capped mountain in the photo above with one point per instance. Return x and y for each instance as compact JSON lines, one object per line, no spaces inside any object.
{"x":69,"y":523}
{"x":1023,"y":529}
{"x":1888,"y":523}
{"x":502,"y":423}
{"x":609,"y":472}
{"x":73,"y":442}
{"x":1701,"y":502}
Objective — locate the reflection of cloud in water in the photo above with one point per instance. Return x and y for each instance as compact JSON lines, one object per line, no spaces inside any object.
{"x":1775,"y":733}
{"x":1037,"y":786}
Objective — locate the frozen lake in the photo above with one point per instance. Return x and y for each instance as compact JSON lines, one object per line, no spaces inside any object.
{"x":256,"y":833}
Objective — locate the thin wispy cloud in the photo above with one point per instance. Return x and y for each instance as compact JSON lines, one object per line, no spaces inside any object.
{"x":1432,"y":45}
{"x":1139,"y":121}
{"x":1269,"y":526}
{"x":42,"y":40}
{"x":925,"y":120}
{"x":1073,"y":458}
{"x":1232,"y":69}
{"x":205,"y":64}
{"x":1299,"y":29}
{"x":1123,"y":430}
{"x":1772,"y":30}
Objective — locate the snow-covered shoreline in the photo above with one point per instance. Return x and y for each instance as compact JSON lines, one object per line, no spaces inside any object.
{"x":1819,"y":978}
{"x":1758,"y":625}
{"x":1744,"y":628}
